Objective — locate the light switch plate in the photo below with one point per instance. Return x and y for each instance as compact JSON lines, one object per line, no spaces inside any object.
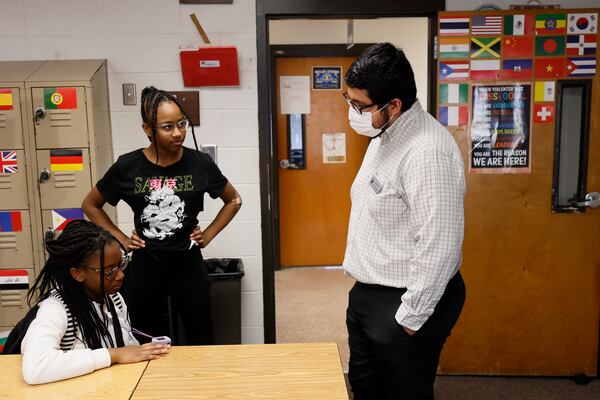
{"x":211,"y":150}
{"x":129,"y":95}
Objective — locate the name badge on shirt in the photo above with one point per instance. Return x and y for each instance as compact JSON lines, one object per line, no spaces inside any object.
{"x":375,"y":184}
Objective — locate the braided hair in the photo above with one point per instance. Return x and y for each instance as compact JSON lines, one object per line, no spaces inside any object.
{"x":78,"y":242}
{"x":151,"y":99}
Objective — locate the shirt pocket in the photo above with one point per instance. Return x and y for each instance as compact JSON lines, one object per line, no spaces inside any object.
{"x":386,"y":206}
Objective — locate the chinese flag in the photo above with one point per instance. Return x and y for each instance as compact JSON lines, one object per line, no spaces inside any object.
{"x":549,"y":68}
{"x":517,"y":46}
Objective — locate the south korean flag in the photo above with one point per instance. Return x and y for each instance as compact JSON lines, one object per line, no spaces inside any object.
{"x":582,"y":23}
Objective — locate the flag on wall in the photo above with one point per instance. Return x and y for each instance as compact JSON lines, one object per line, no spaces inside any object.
{"x":454,"y":70}
{"x":64,"y":98}
{"x":8,"y":162}
{"x":578,"y":67}
{"x":543,"y":113}
{"x":454,"y":93}
{"x":10,"y":221}
{"x":482,"y":47}
{"x":485,"y":69}
{"x":486,"y":25}
{"x":549,"y":68}
{"x":544,"y":91}
{"x":6,"y":99}
{"x":3,"y":337}
{"x":582,"y":23}
{"x":550,"y":24}
{"x":14,"y":279}
{"x":581,"y":45}
{"x":454,"y":26}
{"x":517,"y":25}
{"x":517,"y":46}
{"x":66,"y":160}
{"x":550,"y":46}
{"x":454,"y":47}
{"x":516,"y":69}
{"x":61,"y":217}
{"x":454,"y":115}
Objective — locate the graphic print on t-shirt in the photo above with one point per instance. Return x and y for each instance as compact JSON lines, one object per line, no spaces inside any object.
{"x":164,"y":213}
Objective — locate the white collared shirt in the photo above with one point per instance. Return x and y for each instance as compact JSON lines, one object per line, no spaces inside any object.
{"x":407,"y":218}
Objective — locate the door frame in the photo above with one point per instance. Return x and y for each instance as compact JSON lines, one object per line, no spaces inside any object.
{"x":267,"y":10}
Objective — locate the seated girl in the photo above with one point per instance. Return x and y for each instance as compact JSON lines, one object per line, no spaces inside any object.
{"x":82,"y":323}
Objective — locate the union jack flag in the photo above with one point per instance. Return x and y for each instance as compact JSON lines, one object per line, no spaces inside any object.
{"x":8,"y":162}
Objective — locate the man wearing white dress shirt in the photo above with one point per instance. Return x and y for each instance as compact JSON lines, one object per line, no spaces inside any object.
{"x":405,"y":233}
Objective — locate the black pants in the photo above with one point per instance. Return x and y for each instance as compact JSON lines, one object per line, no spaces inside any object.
{"x":385,"y":361}
{"x":153,"y":277}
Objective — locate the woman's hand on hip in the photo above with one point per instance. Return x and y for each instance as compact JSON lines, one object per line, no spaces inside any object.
{"x":135,"y":242}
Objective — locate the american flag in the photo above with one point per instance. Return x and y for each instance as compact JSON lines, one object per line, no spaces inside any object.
{"x":486,"y":25}
{"x":8,"y":162}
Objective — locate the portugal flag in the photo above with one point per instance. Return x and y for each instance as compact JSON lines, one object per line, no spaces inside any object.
{"x":64,"y":98}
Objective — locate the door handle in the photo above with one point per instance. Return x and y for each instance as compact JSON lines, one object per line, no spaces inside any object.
{"x":592,"y":200}
{"x":39,"y":114}
{"x":44,"y":175}
{"x":284,"y":164}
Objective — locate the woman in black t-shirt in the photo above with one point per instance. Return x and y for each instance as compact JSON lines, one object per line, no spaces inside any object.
{"x":164,"y":184}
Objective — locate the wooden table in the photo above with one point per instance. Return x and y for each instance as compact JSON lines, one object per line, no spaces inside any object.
{"x":281,"y":371}
{"x":114,"y":383}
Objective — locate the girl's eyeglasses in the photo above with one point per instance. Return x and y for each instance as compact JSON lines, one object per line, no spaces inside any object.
{"x":111,"y":273}
{"x":168,"y":127}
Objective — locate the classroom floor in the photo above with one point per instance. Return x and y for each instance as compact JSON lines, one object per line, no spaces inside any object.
{"x":310,"y":306}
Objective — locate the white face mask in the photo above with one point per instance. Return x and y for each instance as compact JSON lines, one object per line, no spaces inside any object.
{"x":363,"y":123}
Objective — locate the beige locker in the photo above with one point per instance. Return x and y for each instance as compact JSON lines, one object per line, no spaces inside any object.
{"x":11,"y":124}
{"x":55,"y":121}
{"x":60,"y":117}
{"x":13,"y":295}
{"x":13,"y":180}
{"x":16,"y":250}
{"x":66,"y":184}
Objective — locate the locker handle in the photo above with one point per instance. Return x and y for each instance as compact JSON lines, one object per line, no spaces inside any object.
{"x":44,"y":175}
{"x":49,"y":235}
{"x":39,"y":114}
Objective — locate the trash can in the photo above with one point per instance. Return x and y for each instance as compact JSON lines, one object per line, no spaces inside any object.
{"x":225,"y":297}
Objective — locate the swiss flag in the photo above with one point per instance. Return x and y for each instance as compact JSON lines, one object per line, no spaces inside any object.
{"x":543,"y":113}
{"x":549,"y":68}
{"x":517,"y":46}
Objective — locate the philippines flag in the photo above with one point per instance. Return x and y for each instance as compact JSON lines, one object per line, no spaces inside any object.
{"x":486,"y":25}
{"x":581,"y":45}
{"x":584,"y":66}
{"x":454,"y":70}
{"x":61,"y":217}
{"x":8,"y":162}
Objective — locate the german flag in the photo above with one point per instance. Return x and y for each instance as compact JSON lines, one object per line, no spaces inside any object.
{"x":60,"y":98}
{"x":66,"y":160}
{"x":6,"y":99}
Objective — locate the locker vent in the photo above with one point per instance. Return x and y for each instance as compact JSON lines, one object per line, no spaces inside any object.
{"x":60,"y":118}
{"x":5,"y":181}
{"x":11,"y":298}
{"x":3,"y":123}
{"x":64,"y":179}
{"x":8,"y":240}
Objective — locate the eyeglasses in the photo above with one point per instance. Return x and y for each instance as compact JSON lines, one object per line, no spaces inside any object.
{"x":111,"y":273}
{"x":182,"y":125}
{"x":358,"y":109}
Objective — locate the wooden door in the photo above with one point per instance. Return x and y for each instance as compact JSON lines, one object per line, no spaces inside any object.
{"x":532,"y":276}
{"x":314,"y":203}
